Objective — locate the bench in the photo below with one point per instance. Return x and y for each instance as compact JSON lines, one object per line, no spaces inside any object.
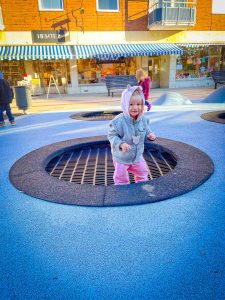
{"x":218,"y":77}
{"x":116,"y":83}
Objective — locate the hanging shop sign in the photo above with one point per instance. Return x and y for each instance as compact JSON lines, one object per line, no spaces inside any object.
{"x":50,"y":36}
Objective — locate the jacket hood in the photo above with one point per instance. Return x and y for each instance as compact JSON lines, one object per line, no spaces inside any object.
{"x":126,"y":96}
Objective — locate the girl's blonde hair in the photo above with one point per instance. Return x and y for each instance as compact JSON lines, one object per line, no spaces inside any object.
{"x":141,"y":72}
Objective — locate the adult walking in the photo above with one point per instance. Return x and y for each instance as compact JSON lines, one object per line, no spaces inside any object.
{"x":6,"y":97}
{"x":144,"y":82}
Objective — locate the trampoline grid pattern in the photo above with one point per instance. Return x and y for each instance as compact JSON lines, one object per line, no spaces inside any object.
{"x":96,"y":115}
{"x":221,"y":116}
{"x":214,"y":116}
{"x":74,"y":160}
{"x":93,"y":165}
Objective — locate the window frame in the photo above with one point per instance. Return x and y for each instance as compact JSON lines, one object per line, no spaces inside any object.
{"x":107,"y":10}
{"x":217,"y":9}
{"x":2,"y":26}
{"x":50,"y":9}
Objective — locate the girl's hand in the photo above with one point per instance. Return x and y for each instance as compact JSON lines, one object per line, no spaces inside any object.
{"x":151,"y":136}
{"x":125,"y":147}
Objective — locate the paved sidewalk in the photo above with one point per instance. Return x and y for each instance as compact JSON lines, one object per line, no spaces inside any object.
{"x":169,"y":250}
{"x":98,"y":101}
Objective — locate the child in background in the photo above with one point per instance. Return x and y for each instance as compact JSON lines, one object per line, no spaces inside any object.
{"x":144,"y":82}
{"x":127,"y":134}
{"x":6,"y":96}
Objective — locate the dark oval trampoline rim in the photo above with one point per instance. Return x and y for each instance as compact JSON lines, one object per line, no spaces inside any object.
{"x":32,"y":178}
{"x":81,"y":115}
{"x":214,"y":116}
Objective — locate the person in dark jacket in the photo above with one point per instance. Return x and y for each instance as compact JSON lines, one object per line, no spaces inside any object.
{"x":6,"y":97}
{"x":144,"y":82}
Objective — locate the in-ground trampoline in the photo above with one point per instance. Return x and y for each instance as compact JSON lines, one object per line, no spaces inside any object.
{"x":80,"y":172}
{"x":215,"y":116}
{"x":102,"y":115}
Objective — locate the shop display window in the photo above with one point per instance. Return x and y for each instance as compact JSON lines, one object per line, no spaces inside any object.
{"x":222,"y":60}
{"x":60,"y":69}
{"x":95,"y":70}
{"x":13,"y":70}
{"x":199,"y":62}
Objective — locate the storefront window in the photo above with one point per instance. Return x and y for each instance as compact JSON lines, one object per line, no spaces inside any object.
{"x":222,"y":59}
{"x":13,"y":71}
{"x":95,"y":70}
{"x":59,"y":69}
{"x":198,"y":62}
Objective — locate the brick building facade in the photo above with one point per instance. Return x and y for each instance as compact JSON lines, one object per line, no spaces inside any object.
{"x":189,"y":36}
{"x":132,"y":16}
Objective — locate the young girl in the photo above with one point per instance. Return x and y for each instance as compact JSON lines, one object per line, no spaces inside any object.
{"x":144,"y":82}
{"x":127,"y":134}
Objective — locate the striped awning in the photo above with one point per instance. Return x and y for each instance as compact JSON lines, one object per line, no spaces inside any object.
{"x":125,"y":50}
{"x":35,"y":52}
{"x":197,"y":45}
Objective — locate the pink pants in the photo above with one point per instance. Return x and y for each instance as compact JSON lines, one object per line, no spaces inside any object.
{"x":139,"y":169}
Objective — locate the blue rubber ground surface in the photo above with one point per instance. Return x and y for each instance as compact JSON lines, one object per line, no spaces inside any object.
{"x":173,"y":249}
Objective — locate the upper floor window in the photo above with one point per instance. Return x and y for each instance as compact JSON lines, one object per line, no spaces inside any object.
{"x":154,"y":4}
{"x":1,"y":20}
{"x":50,"y":4}
{"x":180,"y":3}
{"x":108,"y":5}
{"x":218,"y":7}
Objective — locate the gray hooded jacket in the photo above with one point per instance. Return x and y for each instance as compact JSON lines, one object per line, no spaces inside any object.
{"x":124,"y":129}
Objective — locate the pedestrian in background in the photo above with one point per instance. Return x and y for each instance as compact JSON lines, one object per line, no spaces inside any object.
{"x":144,"y":82}
{"x":6,"y":97}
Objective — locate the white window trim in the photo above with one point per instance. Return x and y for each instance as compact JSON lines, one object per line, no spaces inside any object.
{"x":50,"y":9}
{"x":2,"y":26}
{"x":108,"y":10}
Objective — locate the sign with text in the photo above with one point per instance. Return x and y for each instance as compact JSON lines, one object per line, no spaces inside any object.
{"x":110,"y":60}
{"x":50,"y":36}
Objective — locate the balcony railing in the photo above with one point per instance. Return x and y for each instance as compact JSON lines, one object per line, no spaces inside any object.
{"x":172,"y":14}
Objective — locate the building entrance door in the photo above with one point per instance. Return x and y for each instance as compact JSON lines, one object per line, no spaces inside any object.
{"x":153,"y":71}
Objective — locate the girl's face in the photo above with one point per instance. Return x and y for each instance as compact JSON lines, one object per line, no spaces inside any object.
{"x":136,"y":106}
